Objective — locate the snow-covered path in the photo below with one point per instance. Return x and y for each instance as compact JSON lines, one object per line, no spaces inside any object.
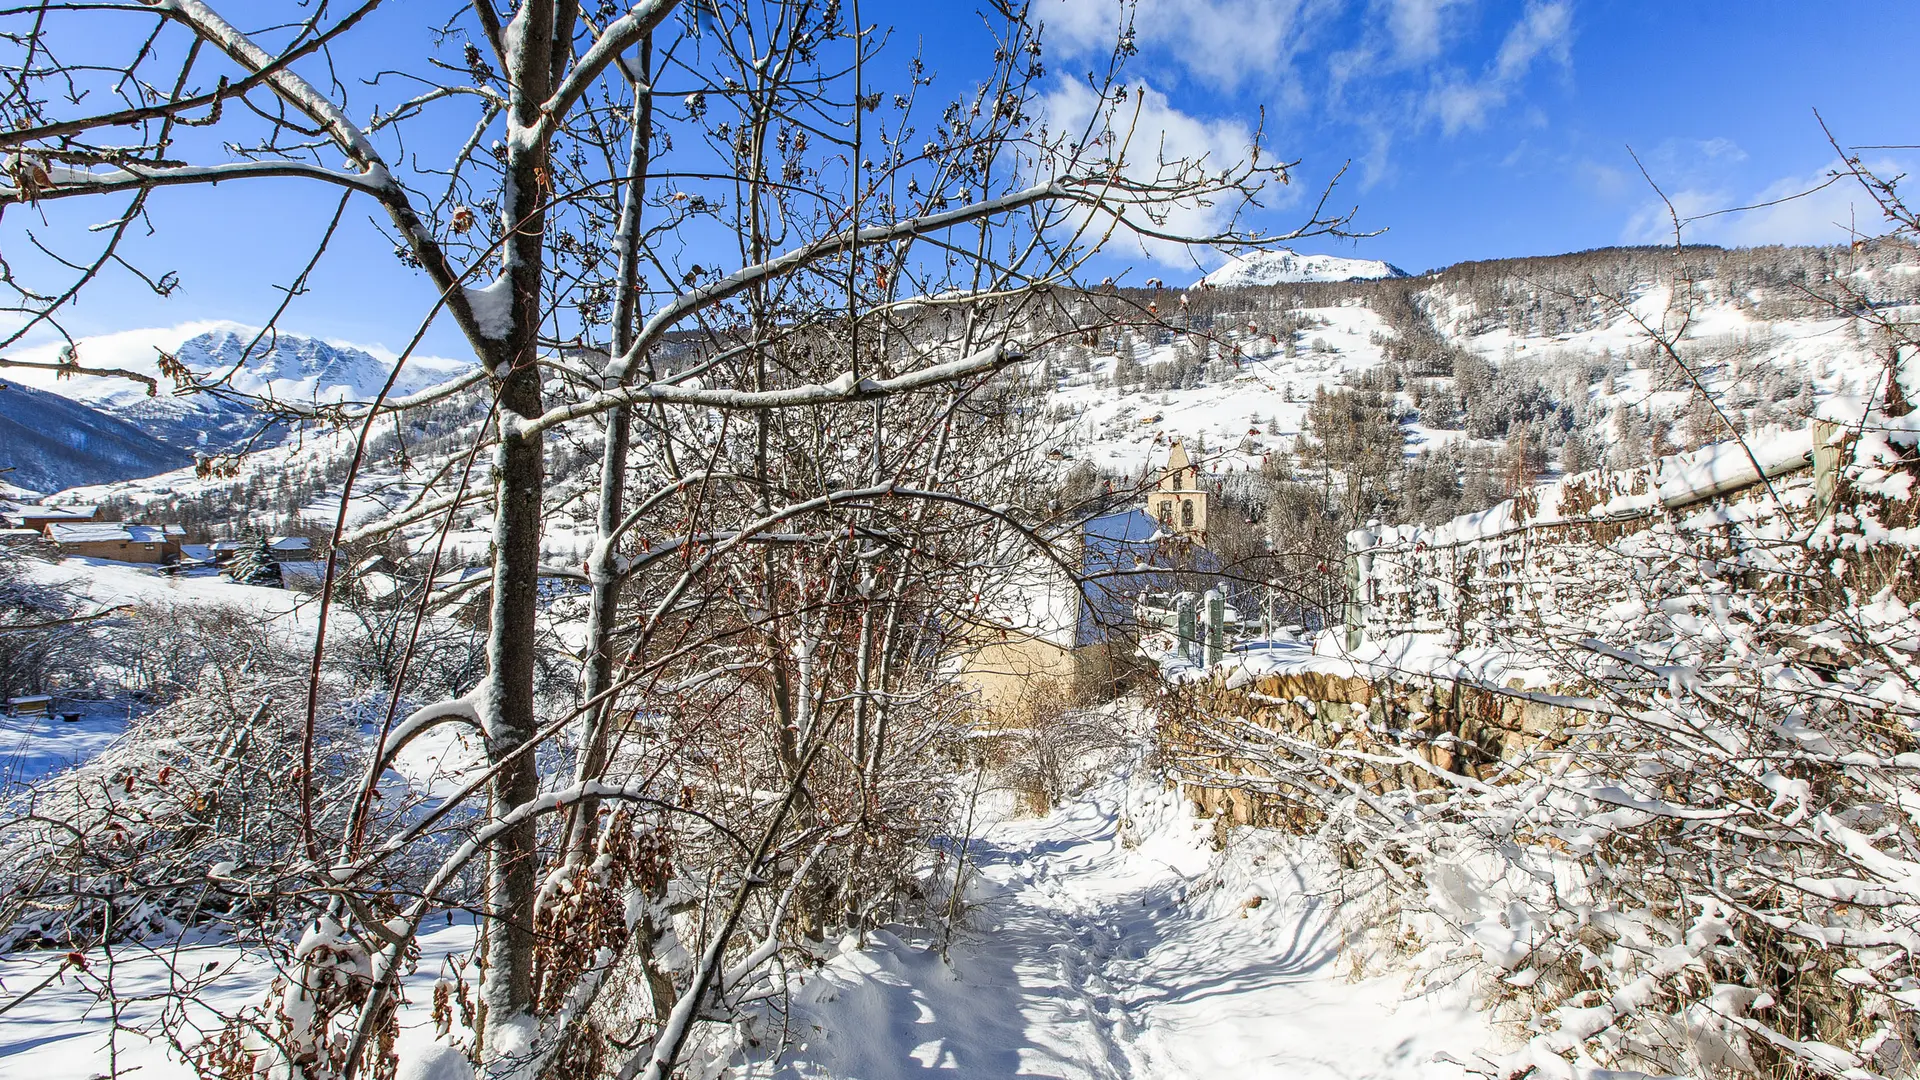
{"x":1108,"y":940}
{"x":1105,"y":941}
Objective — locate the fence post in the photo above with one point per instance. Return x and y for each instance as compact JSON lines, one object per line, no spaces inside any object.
{"x":1354,"y":611}
{"x":1188,"y":633}
{"x":1827,"y":452}
{"x":1216,"y":626}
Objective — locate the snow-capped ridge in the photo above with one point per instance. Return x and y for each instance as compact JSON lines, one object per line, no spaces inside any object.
{"x":1283,"y":266}
{"x":291,"y":368}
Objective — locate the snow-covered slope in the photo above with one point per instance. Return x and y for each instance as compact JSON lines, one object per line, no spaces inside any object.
{"x":1240,"y":386}
{"x":1284,"y":267}
{"x":285,"y":367}
{"x":1234,"y":410}
{"x":48,"y":442}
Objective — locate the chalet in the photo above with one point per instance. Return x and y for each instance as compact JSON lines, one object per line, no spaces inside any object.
{"x":22,"y":539}
{"x":282,"y":548}
{"x":30,"y":705}
{"x":36,"y":517}
{"x":118,"y":541}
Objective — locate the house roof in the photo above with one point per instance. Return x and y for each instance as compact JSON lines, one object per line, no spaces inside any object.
{"x":1118,"y":555}
{"x":93,"y":532}
{"x":279,"y":545}
{"x":1118,"y":561}
{"x":23,"y":511}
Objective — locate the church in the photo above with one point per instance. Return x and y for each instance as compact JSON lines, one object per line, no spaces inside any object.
{"x":1177,"y":501}
{"x":1045,"y":625}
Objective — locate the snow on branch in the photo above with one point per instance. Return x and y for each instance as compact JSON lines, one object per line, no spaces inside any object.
{"x":841,"y":390}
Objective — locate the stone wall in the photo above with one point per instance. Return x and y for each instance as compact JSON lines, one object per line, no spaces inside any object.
{"x":1222,"y":744}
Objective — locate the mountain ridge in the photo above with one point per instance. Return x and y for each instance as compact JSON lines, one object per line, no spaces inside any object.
{"x":49,"y":443}
{"x":284,"y":367}
{"x":1284,"y":266}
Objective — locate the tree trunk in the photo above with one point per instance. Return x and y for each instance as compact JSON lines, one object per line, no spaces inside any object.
{"x":607,"y":582}
{"x":508,"y":716}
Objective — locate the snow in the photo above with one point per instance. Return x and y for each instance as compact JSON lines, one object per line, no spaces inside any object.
{"x":88,"y":532}
{"x":492,"y":306}
{"x":62,"y":1033}
{"x":434,"y":1061}
{"x":108,"y":583}
{"x":1283,"y":267}
{"x":1263,"y":402}
{"x":32,"y":747}
{"x":1109,"y":940}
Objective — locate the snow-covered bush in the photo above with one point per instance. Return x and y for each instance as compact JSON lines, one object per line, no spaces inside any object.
{"x":1046,"y":740}
{"x":1708,"y":862}
{"x":189,"y":819}
{"x":42,"y":646}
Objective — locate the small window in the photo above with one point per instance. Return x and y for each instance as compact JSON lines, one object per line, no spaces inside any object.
{"x":1186,"y":514}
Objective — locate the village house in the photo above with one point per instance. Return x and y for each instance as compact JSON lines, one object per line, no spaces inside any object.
{"x":30,"y":705}
{"x":117,"y":541}
{"x":34,"y":517}
{"x":282,"y":548}
{"x":1044,"y":625}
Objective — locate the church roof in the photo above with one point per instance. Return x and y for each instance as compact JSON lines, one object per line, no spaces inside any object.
{"x":1117,"y":558}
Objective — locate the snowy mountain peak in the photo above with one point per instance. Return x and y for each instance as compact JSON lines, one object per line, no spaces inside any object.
{"x":1284,"y":267}
{"x":290,"y":368}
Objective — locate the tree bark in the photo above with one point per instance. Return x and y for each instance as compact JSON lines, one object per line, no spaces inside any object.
{"x":602,"y":567}
{"x":509,"y":718}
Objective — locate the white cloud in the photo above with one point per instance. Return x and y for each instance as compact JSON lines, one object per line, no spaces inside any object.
{"x":1159,"y":133}
{"x":1545,"y":28}
{"x":1224,"y":44}
{"x":1419,"y":28}
{"x":1459,"y":102}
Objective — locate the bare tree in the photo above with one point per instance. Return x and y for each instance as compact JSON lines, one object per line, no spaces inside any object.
{"x":805,"y":460}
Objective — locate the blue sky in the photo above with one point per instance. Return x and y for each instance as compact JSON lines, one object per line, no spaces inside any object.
{"x":1480,"y":129}
{"x":1475,"y":129}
